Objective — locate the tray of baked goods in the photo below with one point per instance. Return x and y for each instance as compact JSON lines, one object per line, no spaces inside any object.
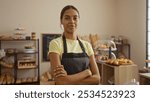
{"x":23,"y":64}
{"x":121,"y":61}
{"x":105,"y":45}
{"x":26,"y":62}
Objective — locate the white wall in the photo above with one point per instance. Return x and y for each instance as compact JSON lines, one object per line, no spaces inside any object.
{"x":42,"y":16}
{"x":132,"y":24}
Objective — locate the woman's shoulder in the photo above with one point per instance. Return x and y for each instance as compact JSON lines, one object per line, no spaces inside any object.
{"x":57,"y":40}
{"x":85,"y":42}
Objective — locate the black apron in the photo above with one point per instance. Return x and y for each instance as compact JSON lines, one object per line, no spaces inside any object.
{"x":74,"y":62}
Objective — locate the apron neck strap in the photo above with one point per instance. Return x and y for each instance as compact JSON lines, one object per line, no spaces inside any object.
{"x":81,"y":45}
{"x":65,"y":44}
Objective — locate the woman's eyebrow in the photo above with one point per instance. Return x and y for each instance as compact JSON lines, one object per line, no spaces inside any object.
{"x":76,"y":16}
{"x":66,"y":16}
{"x":70,"y":16}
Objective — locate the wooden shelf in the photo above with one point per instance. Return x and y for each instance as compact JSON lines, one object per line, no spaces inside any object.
{"x":25,"y":70}
{"x":17,"y":40}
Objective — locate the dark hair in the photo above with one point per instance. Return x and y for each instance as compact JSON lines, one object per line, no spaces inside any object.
{"x":66,"y":8}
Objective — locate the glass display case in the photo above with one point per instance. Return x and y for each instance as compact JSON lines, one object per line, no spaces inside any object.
{"x":104,"y":50}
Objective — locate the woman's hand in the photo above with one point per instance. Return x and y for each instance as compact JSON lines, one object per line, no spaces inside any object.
{"x":60,"y":75}
{"x":59,"y":71}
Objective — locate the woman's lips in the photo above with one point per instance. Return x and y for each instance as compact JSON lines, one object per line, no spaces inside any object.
{"x":71,"y":26}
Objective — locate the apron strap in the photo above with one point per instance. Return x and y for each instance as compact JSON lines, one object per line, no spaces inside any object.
{"x":65,"y":44}
{"x":81,"y":45}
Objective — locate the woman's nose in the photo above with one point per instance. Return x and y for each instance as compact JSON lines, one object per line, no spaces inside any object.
{"x":72,"y":20}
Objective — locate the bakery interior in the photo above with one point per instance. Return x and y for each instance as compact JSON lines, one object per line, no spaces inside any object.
{"x":116,"y":30}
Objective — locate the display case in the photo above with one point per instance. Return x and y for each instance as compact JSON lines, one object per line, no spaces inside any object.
{"x":20,"y":65}
{"x":104,"y":50}
{"x":123,"y":51}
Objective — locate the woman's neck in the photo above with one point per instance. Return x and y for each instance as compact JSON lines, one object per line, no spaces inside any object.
{"x":70,"y":36}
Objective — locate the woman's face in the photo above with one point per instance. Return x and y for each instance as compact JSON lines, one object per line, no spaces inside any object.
{"x":70,"y":21}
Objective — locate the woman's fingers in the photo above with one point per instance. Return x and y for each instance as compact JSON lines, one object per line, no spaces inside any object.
{"x":60,"y":66}
{"x":58,"y":69}
{"x":60,"y":75}
{"x":60,"y":72}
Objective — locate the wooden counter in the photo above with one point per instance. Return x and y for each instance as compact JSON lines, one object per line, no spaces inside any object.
{"x":117,"y":75}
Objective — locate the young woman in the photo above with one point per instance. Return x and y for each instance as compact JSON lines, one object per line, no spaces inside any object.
{"x":72,"y":60}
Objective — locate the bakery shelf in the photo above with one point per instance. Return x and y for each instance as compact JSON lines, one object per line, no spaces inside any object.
{"x":18,"y":40}
{"x":17,"y":53}
{"x":27,"y":67}
{"x":33,"y":52}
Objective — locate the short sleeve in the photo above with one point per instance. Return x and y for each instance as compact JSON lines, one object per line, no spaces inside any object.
{"x":89,"y":49}
{"x":54,"y":47}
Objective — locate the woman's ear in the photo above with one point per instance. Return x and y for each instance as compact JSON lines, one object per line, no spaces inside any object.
{"x":61,"y":26}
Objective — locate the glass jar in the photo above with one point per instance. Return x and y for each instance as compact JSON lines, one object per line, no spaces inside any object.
{"x":33,"y":35}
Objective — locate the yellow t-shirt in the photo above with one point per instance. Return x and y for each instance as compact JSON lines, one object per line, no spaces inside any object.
{"x":56,"y":45}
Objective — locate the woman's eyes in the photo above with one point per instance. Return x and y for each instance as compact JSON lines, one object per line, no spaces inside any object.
{"x":68,"y":18}
{"x":75,"y":18}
